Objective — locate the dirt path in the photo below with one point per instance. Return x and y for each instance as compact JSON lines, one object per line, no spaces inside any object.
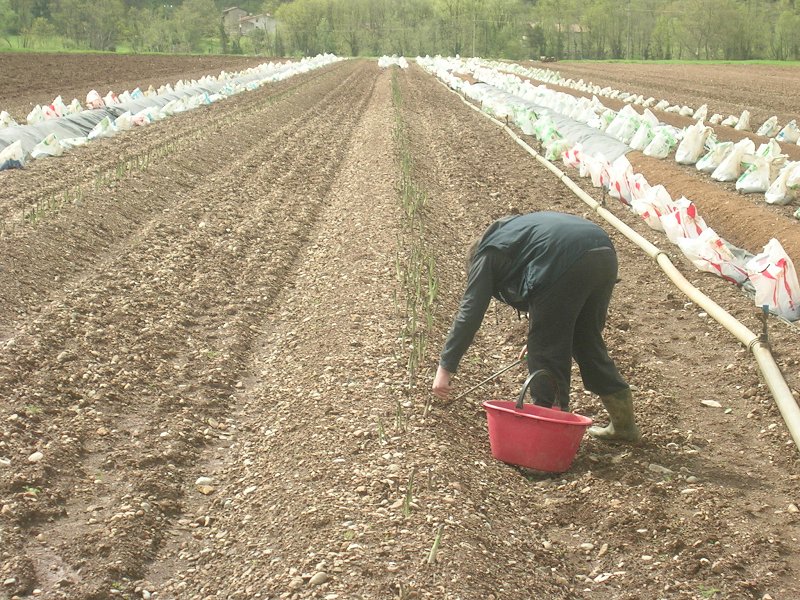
{"x":208,"y":356}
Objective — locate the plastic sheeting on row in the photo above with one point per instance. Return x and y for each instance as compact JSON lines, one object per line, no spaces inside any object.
{"x":552,"y":114}
{"x":770,"y":128}
{"x":754,"y":171}
{"x":74,"y":129}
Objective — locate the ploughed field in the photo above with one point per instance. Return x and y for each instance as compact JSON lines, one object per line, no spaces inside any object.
{"x":204,"y":382}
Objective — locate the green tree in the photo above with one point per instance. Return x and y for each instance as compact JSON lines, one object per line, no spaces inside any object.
{"x":324,"y":36}
{"x":196,"y":20}
{"x":97,"y":26}
{"x":300,"y":20}
{"x":8,"y":20}
{"x":785,"y":39}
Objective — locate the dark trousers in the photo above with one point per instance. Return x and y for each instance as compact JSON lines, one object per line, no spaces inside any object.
{"x":567,"y":321}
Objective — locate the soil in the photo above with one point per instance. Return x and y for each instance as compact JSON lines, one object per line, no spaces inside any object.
{"x":728,"y":89}
{"x":27,"y":80}
{"x":205,"y":392}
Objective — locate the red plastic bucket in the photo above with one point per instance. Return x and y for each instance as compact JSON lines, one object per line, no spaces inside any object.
{"x":544,"y":439}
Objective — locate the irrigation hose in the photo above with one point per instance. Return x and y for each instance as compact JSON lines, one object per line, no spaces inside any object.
{"x":766,"y":363}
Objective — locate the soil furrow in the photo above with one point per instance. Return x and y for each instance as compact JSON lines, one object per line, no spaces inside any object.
{"x":669,"y":387}
{"x":82,"y":170}
{"x":171,"y":275}
{"x":107,"y":217}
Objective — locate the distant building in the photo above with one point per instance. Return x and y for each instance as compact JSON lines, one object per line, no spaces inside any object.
{"x":263,"y":22}
{"x":230,"y":19}
{"x":239,"y":22}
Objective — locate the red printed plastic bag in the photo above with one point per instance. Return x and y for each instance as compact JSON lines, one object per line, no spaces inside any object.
{"x":655,"y":202}
{"x":620,"y":179}
{"x":93,"y":100}
{"x":683,"y":221}
{"x":573,"y":156}
{"x":708,"y":252}
{"x":775,"y":279}
{"x":598,"y":168}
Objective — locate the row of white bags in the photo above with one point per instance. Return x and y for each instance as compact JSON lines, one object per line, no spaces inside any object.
{"x":771,"y":272}
{"x":13,"y":156}
{"x":765,"y":170}
{"x":790,"y":133}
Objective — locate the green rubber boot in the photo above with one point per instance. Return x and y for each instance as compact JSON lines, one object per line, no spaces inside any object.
{"x":623,"y":424}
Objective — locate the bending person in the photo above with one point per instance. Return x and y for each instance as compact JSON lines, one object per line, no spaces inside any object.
{"x":561,"y":270}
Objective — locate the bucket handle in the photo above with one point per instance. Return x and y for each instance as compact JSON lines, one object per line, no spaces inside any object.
{"x":529,"y":381}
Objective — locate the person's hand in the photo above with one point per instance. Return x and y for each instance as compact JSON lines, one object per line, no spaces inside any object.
{"x":523,"y":352}
{"x":441,"y":383}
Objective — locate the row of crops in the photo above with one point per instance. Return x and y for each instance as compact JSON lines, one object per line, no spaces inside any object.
{"x":54,"y":128}
{"x":594,"y":139}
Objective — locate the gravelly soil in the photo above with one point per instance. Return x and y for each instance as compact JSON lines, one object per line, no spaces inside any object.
{"x":233,"y":313}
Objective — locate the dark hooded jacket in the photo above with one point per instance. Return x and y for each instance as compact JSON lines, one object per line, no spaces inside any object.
{"x":517,"y":258}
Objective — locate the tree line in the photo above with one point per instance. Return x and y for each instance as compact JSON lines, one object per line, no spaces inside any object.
{"x":514,"y":29}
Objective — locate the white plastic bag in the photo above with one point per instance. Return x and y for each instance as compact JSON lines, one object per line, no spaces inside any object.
{"x":70,"y":143}
{"x":769,"y":128}
{"x":620,"y":178}
{"x":731,"y":166}
{"x":598,"y":167}
{"x":775,"y":279}
{"x":526,"y":121}
{"x":621,"y":120}
{"x":93,"y":100}
{"x":655,"y":202}
{"x":573,"y":157}
{"x":144,"y":117}
{"x":708,"y":252}
{"x":555,"y":148}
{"x":628,"y":130}
{"x":756,"y":178}
{"x":714,"y":157}
{"x":111,"y":98}
{"x":58,"y":106}
{"x":662,"y":144}
{"x":683,"y":221}
{"x":743,"y":124}
{"x":644,"y":135}
{"x":779,"y":192}
{"x":103,"y":129}
{"x":123,"y":122}
{"x":12,"y":156}
{"x":701,"y":113}
{"x":6,"y":120}
{"x":771,"y":149}
{"x":692,"y":146}
{"x":35,"y":116}
{"x":790,"y":133}
{"x":638,"y":186}
{"x":49,"y":146}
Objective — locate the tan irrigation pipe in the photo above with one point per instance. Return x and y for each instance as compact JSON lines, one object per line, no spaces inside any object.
{"x":760,"y":349}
